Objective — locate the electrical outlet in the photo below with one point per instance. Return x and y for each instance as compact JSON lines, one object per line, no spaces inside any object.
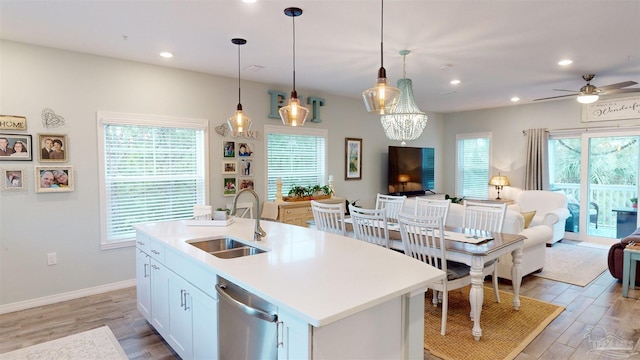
{"x":52,"y":259}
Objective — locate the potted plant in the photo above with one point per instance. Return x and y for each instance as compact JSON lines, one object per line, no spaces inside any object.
{"x":634,"y":202}
{"x":221,"y":214}
{"x":454,"y":200}
{"x":298,"y":193}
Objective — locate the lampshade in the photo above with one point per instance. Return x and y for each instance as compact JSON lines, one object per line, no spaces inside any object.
{"x":382,"y":98}
{"x":239,"y":123}
{"x":403,"y":178}
{"x":293,"y":114}
{"x":406,"y":121}
{"x":587,"y":99}
{"x":499,"y":180}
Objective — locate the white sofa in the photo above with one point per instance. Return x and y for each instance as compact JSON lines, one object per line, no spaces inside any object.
{"x":533,"y":253}
{"x":550,"y":207}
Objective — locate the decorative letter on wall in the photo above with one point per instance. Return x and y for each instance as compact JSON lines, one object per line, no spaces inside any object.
{"x":277,"y":99}
{"x":315,"y":103}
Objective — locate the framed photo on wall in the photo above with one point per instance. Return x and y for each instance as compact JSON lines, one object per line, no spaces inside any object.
{"x":15,"y":147}
{"x":246,"y":183}
{"x":53,"y":147}
{"x":245,"y":149}
{"x":14,"y":179}
{"x":230,"y":186}
{"x":229,"y":167}
{"x":54,"y":178}
{"x":246,"y":167}
{"x":229,"y":149}
{"x":353,"y":159}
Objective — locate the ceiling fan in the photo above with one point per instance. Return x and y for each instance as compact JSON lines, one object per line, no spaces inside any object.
{"x":590,"y":93}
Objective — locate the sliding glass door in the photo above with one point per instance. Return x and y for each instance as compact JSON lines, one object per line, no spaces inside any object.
{"x":599,"y":173}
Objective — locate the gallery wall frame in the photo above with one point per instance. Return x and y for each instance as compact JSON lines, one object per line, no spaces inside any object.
{"x":14,"y":178}
{"x":48,"y":148}
{"x":229,"y":149}
{"x":229,"y":186}
{"x":353,"y":159}
{"x":54,"y":179}
{"x":229,"y":167}
{"x":16,"y":147}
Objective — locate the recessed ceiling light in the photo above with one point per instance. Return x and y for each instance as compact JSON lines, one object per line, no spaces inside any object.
{"x":565,"y":62}
{"x":454,"y":82}
{"x":166,"y":54}
{"x":515,"y":99}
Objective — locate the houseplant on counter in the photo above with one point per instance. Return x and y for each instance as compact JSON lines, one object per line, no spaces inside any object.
{"x":634,"y":202}
{"x":221,"y":214}
{"x":301,"y":193}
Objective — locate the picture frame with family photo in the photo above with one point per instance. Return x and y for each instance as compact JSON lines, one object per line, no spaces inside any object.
{"x":16,"y":147}
{"x":54,"y":179}
{"x":14,"y":179}
{"x":53,"y":147}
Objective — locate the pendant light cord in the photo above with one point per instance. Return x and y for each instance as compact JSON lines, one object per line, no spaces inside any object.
{"x":381,"y":33}
{"x":294,"y":53}
{"x":239,"y":75}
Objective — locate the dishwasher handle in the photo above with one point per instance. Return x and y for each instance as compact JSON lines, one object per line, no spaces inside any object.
{"x":220,"y":288}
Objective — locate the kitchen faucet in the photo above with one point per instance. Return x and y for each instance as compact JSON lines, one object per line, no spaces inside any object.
{"x":258,"y":233}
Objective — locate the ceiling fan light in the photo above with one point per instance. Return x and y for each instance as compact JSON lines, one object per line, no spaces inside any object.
{"x":587,"y":99}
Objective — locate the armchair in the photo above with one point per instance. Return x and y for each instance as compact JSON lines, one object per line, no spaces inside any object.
{"x":550,"y":207}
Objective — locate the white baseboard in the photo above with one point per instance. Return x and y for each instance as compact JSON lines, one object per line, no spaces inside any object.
{"x":52,"y":299}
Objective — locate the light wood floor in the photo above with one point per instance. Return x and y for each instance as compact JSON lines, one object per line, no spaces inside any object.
{"x":599,"y":303}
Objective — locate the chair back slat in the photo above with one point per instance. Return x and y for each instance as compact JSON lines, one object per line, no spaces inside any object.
{"x":329,"y":217}
{"x":392,"y":204}
{"x":370,"y":225}
{"x":484,"y":216}
{"x":433,"y":208}
{"x":423,"y":239}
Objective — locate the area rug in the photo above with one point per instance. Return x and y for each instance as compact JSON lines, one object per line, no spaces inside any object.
{"x":505,"y":331}
{"x":95,"y":344}
{"x":571,"y":263}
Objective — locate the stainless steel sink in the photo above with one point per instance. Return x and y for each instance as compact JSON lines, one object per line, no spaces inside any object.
{"x":226,"y":248}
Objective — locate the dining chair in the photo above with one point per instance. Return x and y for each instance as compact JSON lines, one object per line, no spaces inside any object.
{"x":423,"y":239}
{"x":433,"y":207}
{"x":485,"y":216}
{"x":243,"y":210}
{"x":329,"y":217}
{"x":370,"y":225}
{"x":392,"y":204}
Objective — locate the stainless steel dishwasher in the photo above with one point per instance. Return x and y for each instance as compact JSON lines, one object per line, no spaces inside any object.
{"x":247,"y":324}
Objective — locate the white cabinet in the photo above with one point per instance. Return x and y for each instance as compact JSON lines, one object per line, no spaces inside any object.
{"x":143,"y":283}
{"x":185,"y":316}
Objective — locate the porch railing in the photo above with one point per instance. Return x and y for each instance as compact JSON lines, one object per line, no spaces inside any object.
{"x":608,"y":197}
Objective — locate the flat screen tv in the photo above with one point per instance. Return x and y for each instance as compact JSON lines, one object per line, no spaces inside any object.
{"x":411,"y":170}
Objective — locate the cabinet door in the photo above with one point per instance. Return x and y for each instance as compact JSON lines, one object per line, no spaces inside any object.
{"x":160,"y":297}
{"x":297,"y":215}
{"x":180,"y":313}
{"x":294,"y":337}
{"x":143,"y":283}
{"x":205,"y":325}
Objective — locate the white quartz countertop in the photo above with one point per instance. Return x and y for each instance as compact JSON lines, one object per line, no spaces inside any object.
{"x":318,"y":276}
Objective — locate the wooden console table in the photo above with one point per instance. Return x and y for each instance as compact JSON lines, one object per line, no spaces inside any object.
{"x":299,"y":212}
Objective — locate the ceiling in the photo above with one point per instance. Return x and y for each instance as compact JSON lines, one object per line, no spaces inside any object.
{"x":497,"y":48}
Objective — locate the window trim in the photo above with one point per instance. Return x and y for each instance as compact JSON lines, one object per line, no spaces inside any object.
{"x":279,"y":129}
{"x":108,"y":117}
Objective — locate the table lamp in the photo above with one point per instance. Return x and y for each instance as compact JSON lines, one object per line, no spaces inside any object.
{"x":403,"y":179}
{"x":499,"y":182}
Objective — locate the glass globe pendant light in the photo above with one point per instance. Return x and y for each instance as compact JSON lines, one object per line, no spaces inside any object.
{"x":293,"y":114}
{"x":382,"y":98}
{"x":406,"y":121}
{"x":239,"y":123}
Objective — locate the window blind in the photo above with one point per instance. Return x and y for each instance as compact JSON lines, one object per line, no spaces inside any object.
{"x":150,"y":173}
{"x":472,"y":170}
{"x":296,"y":156}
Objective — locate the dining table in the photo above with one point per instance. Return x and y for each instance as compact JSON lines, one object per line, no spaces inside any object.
{"x":473,"y":248}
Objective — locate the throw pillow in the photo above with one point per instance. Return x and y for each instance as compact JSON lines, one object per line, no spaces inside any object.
{"x":528,"y":217}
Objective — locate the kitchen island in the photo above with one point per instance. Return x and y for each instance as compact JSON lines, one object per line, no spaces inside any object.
{"x":336,"y":297}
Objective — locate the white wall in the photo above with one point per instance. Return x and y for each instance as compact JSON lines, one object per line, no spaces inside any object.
{"x":77,"y":85}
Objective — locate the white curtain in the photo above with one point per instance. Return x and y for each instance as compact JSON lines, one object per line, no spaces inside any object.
{"x":536,"y":175}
